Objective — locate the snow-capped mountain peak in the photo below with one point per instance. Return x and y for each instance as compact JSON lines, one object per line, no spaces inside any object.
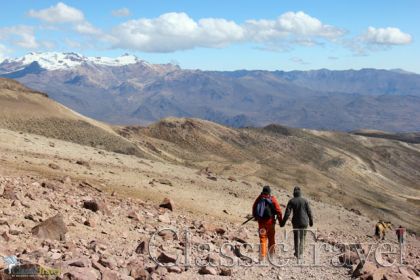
{"x":58,"y":60}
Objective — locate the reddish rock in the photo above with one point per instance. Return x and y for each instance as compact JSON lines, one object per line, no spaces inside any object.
{"x":91,"y":222}
{"x":80,"y":262}
{"x":137,"y":270}
{"x":167,"y":258}
{"x":96,"y":205}
{"x":167,"y":235}
{"x":407,"y":272}
{"x":139,"y":273}
{"x":108,"y":274}
{"x":349,"y":257}
{"x":225,"y":271}
{"x":132,"y":214}
{"x":376,"y":274}
{"x":143,"y":247}
{"x":208,"y":270}
{"x":97,"y":265}
{"x":108,"y":261}
{"x":174,"y":269}
{"x":168,"y":204}
{"x":9,"y":193}
{"x":5,"y":236}
{"x":53,"y":228}
{"x":80,"y":273}
{"x":164,"y":218}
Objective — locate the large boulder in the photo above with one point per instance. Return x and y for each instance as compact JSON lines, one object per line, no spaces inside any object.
{"x":53,"y":228}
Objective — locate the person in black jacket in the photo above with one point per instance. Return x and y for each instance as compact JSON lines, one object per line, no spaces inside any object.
{"x":302,"y":217}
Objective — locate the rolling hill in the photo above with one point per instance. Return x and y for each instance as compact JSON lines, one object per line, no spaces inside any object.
{"x":377,"y":176}
{"x":26,"y":110}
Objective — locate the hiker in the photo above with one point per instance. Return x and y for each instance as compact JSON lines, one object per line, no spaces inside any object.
{"x":302,"y":217}
{"x":265,"y":210}
{"x":381,"y":228}
{"x":400,"y":231}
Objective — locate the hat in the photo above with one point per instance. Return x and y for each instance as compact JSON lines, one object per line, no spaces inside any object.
{"x":266,"y":190}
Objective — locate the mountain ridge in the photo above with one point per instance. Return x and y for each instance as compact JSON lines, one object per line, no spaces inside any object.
{"x":143,"y":93}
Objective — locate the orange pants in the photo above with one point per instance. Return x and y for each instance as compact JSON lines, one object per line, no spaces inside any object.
{"x":267,"y":232}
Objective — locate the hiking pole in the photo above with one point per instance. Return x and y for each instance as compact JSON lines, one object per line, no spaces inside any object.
{"x":251,"y":218}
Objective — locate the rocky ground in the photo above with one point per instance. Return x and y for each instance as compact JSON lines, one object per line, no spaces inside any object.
{"x":84,"y":232}
{"x":85,"y":213}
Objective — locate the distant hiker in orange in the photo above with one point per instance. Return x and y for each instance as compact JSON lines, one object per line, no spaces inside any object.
{"x":265,"y":210}
{"x":400,"y":231}
{"x":302,"y":217}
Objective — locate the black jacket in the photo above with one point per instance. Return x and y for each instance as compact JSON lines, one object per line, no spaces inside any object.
{"x":302,"y":214}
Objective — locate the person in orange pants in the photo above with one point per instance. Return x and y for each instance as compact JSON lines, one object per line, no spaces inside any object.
{"x":265,"y":210}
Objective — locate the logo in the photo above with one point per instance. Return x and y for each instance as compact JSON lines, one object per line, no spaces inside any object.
{"x":11,"y":261}
{"x":17,"y":269}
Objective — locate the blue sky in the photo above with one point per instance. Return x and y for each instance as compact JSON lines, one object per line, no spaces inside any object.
{"x":222,"y":35}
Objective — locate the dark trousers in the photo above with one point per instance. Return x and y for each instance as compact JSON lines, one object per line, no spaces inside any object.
{"x":299,"y":236}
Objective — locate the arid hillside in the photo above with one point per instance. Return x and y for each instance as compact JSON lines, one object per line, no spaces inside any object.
{"x":377,"y":176}
{"x":22,"y":109}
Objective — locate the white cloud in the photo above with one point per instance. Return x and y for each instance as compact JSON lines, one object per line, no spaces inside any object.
{"x":62,"y":13}
{"x":3,"y":52}
{"x":59,"y":13}
{"x":123,"y":12}
{"x":376,"y":39}
{"x":177,"y":31}
{"x":87,"y":28}
{"x":386,"y":36}
{"x":302,"y":24}
{"x":171,"y":32}
{"x":20,"y":35}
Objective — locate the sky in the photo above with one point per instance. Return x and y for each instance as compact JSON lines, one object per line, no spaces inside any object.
{"x":222,"y":35}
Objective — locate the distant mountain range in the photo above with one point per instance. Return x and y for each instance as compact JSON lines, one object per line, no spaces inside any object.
{"x":128,"y":90}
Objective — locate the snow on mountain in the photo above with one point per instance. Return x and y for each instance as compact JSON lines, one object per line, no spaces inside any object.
{"x":57,"y":60}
